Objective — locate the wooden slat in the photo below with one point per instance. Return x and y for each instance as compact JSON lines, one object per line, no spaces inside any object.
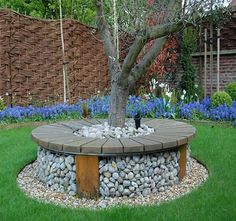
{"x":112,"y":146}
{"x":87,"y":176}
{"x":182,"y":161}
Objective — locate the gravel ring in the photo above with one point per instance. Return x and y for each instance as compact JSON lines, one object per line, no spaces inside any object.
{"x":34,"y":188}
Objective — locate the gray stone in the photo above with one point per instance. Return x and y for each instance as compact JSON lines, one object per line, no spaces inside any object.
{"x":115,"y":175}
{"x":120,"y":180}
{"x":55,"y":186}
{"x":126,"y":170}
{"x":130,"y":175}
{"x":150,"y":171}
{"x":136,"y":159}
{"x":69,"y":166}
{"x":111,"y":168}
{"x":146,"y":192}
{"x":118,"y":193}
{"x":126,"y":183}
{"x":112,"y":180}
{"x":106,"y":180}
{"x":134,"y":184}
{"x":107,"y":174}
{"x":162,"y":160}
{"x":156,"y":170}
{"x":110,"y":184}
{"x":73,"y":175}
{"x":71,"y":193}
{"x":112,"y":192}
{"x":73,"y":188}
{"x":131,"y":188}
{"x":122,"y":174}
{"x":120,"y":165}
{"x":69,"y":160}
{"x":120,"y":188}
{"x":161,"y":189}
{"x":137,"y":176}
{"x":126,"y":192}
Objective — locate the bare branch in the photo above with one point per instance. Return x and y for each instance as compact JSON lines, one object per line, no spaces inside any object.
{"x":106,"y":35}
{"x":145,"y":36}
{"x":142,"y":67}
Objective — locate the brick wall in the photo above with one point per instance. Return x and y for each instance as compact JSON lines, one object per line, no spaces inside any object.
{"x":227,"y":72}
{"x":31,"y":59}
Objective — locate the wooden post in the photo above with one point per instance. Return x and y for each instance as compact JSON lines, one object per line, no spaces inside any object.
{"x":182,"y":161}
{"x":218,"y":59}
{"x":205,"y":62}
{"x":87,"y":176}
{"x":211,"y":57}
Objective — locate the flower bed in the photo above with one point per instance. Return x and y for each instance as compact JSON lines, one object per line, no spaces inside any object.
{"x":99,"y":106}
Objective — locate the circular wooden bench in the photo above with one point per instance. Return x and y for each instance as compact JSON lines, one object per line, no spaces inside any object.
{"x":59,"y":137}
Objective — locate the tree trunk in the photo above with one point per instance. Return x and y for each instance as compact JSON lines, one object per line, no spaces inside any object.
{"x":119,"y":96}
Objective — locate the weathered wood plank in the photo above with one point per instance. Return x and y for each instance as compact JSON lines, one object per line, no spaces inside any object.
{"x":112,"y":146}
{"x":182,"y":161}
{"x":149,"y":145}
{"x":87,"y":176}
{"x":59,"y":136}
{"x":167,"y":142}
{"x":93,"y":147}
{"x":131,"y":146}
{"x":74,"y":147}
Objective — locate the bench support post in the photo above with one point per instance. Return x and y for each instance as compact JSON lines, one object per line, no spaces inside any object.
{"x":182,"y":161}
{"x":87,"y":176}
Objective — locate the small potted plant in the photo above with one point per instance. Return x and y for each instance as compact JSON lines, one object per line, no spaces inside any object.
{"x":137,"y":120}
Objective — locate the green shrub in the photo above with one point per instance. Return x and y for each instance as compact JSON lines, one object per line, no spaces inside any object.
{"x":231,"y":90}
{"x":2,"y":105}
{"x":219,"y":98}
{"x":187,"y":82}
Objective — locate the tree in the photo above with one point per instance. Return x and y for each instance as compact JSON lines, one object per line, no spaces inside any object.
{"x":133,"y":19}
{"x":82,"y":10}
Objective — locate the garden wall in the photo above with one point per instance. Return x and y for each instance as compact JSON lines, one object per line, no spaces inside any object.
{"x":31,"y":59}
{"x":227,"y":55}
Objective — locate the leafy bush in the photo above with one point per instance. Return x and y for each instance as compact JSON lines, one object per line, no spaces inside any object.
{"x":220,"y":98}
{"x":231,"y":90}
{"x":187,"y":82}
{"x":2,"y":105}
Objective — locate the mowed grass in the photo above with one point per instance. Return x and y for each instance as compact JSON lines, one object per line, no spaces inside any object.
{"x":215,"y":200}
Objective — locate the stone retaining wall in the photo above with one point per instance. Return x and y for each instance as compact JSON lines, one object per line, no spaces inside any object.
{"x":57,"y":170}
{"x":119,"y":176}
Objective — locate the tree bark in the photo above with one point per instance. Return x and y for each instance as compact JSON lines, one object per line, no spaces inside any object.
{"x":118,"y":101}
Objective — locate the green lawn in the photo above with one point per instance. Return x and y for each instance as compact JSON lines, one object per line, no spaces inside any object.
{"x":215,"y":200}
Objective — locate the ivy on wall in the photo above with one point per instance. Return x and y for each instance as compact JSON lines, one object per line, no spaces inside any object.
{"x":188,"y":46}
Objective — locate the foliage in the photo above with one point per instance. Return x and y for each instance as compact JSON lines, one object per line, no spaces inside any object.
{"x":2,"y":105}
{"x":205,"y":111}
{"x":98,"y":107}
{"x":82,"y":10}
{"x":187,"y":82}
{"x":231,"y":90}
{"x":18,"y":113}
{"x":163,"y":65}
{"x":219,"y":98}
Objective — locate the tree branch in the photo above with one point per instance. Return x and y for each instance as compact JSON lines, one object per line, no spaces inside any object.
{"x":142,"y":67}
{"x":106,"y":35}
{"x":145,"y":36}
